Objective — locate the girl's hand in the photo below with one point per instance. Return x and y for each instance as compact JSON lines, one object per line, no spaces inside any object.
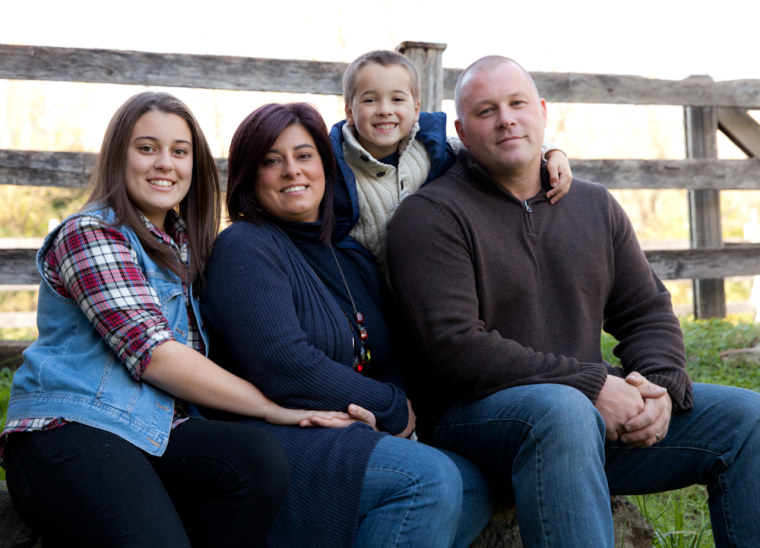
{"x":560,"y":175}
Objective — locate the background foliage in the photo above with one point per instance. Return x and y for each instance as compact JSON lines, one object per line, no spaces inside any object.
{"x":681,"y":518}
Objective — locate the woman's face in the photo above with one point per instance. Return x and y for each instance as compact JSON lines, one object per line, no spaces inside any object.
{"x":159,"y":164}
{"x":291,"y":179}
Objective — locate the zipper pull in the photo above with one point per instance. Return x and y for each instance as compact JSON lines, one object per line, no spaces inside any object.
{"x":527,"y":206}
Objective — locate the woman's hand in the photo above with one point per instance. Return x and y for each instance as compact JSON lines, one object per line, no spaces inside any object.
{"x":355,"y":413}
{"x":411,"y":423}
{"x":560,"y":175}
{"x":282,"y":415}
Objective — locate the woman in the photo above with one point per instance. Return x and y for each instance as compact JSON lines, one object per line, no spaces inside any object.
{"x":99,"y":447}
{"x":303,"y":317}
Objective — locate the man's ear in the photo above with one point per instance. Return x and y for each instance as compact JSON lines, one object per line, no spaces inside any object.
{"x":543,"y":107}
{"x":460,"y":131}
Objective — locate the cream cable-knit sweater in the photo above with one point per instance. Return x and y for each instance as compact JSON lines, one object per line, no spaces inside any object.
{"x":381,"y":187}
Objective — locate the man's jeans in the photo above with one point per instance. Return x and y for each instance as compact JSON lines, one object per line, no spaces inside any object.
{"x":546,"y":444}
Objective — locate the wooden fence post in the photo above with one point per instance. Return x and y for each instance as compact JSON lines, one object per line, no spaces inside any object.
{"x":428,"y":58}
{"x":701,"y":126}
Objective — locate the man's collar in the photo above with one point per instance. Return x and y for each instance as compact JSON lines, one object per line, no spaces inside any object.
{"x":480,"y":177}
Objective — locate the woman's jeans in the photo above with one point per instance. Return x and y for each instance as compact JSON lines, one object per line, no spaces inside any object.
{"x":217,"y":484}
{"x":416,"y":496}
{"x":546,"y":445}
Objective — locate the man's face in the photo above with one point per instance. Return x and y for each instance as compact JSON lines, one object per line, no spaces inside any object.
{"x":502,"y":121}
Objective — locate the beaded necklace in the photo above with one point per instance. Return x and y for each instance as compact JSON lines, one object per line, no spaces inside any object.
{"x":363,"y":356}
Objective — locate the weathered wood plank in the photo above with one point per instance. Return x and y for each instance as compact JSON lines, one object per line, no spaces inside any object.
{"x":561,"y":87}
{"x":72,"y":169}
{"x":677,"y":174}
{"x":58,"y":169}
{"x":701,"y":125}
{"x":741,"y":128}
{"x":17,"y":266}
{"x":45,"y":168}
{"x":167,"y":69}
{"x":428,"y":58}
{"x":298,"y":76}
{"x":701,"y":144}
{"x":714,"y":263}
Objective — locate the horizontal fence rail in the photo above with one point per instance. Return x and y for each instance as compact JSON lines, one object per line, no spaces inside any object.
{"x":325,"y":78}
{"x":72,"y":170}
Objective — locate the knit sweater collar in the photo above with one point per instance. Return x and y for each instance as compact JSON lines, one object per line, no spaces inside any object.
{"x":474,"y":174}
{"x":357,"y":155}
{"x":300,"y":233}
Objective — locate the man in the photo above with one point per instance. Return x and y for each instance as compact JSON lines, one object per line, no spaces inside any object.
{"x":506,"y":296}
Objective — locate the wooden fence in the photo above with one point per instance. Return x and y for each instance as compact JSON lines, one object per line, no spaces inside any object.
{"x":708,"y":106}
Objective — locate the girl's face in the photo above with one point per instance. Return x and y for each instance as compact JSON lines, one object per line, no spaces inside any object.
{"x":291,"y":179}
{"x":159,"y":165}
{"x":383,"y":109}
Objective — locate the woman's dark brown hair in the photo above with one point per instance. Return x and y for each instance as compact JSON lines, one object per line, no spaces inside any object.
{"x":251,"y":142}
{"x":200,"y":208}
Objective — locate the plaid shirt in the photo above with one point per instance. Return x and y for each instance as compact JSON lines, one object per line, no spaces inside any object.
{"x":95,"y":265}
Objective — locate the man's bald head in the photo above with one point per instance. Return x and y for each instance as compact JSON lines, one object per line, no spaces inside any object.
{"x":483,"y":64}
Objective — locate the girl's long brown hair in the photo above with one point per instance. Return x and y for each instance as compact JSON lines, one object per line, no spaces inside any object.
{"x":200,"y":208}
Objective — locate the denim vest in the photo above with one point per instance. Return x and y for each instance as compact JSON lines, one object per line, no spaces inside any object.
{"x":70,"y":372}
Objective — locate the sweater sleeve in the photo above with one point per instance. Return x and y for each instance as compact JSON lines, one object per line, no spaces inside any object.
{"x":547,"y":146}
{"x":435,"y":280}
{"x":639,"y":315}
{"x":249,"y":300}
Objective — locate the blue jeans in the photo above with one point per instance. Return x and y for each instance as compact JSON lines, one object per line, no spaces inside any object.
{"x":546,"y":445}
{"x":416,"y":496}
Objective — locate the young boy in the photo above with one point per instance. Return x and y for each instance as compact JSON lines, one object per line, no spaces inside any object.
{"x":386,"y":148}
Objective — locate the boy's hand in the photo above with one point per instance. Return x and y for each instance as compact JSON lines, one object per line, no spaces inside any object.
{"x":560,"y":175}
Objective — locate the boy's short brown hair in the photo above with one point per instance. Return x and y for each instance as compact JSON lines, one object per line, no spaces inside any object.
{"x":384,"y":58}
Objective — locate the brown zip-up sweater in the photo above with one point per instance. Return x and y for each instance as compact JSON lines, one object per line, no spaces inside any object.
{"x":499,"y":292}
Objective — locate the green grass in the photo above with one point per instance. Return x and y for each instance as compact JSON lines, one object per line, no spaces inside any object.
{"x":5,"y":392}
{"x":681,"y":518}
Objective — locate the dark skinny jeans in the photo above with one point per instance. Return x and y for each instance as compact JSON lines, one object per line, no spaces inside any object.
{"x":217,"y":484}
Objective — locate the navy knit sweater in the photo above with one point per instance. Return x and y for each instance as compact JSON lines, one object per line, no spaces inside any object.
{"x":273,"y":321}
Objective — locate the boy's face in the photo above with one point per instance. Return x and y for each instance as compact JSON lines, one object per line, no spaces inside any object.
{"x":383,"y":109}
